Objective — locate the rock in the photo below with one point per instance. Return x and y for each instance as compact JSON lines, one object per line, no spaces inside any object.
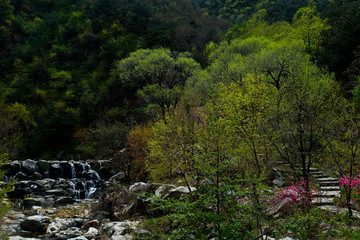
{"x":44,"y":165}
{"x":279,"y":182}
{"x":20,"y":176}
{"x":22,"y":238}
{"x":57,"y":192}
{"x":100,"y":215}
{"x":66,"y":169}
{"x":55,"y":171}
{"x":30,"y":202}
{"x":140,"y":187}
{"x":267,"y":238}
{"x":277,"y":177}
{"x":119,"y":177}
{"x":89,"y":224}
{"x":61,"y":201}
{"x":91,"y":233}
{"x":125,"y":237}
{"x":58,"y":225}
{"x":287,"y":238}
{"x":30,"y":166}
{"x":37,"y":176}
{"x":106,"y":173}
{"x":35,"y":223}
{"x":117,"y":230}
{"x":71,"y":232}
{"x":177,"y":193}
{"x":91,"y":175}
{"x":78,"y":238}
{"x":163,"y":190}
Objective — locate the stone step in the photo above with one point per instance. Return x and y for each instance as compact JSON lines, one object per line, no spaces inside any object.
{"x":330,"y":188}
{"x":327,"y":194}
{"x":328,"y":184}
{"x":317,"y":176}
{"x":320,"y":201}
{"x":328,"y":179}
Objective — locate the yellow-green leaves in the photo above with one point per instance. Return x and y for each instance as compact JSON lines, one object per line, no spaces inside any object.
{"x":159,"y":74}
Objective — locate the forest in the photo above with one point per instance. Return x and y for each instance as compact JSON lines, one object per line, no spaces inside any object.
{"x":207,"y":94}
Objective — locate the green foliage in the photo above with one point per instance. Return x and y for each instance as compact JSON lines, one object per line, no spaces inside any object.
{"x":5,"y":204}
{"x":340,"y":52}
{"x":193,"y":217}
{"x":304,"y":226}
{"x":158,"y":74}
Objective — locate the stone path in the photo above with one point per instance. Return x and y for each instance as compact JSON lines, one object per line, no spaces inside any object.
{"x":329,"y":188}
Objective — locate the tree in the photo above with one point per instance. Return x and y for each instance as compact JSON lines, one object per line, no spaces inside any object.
{"x":159,"y":74}
{"x":14,"y":119}
{"x":344,"y":145}
{"x":303,"y":112}
{"x":340,"y":40}
{"x":137,"y":142}
{"x":309,"y":25}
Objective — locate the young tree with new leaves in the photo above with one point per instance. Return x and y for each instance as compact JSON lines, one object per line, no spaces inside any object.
{"x":159,"y":75}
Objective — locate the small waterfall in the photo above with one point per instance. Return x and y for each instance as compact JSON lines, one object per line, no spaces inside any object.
{"x":73,"y":172}
{"x":76,"y":191}
{"x":76,"y":178}
{"x":89,"y":189}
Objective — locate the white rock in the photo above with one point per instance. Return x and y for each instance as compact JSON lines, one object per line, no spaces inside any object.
{"x":92,"y":232}
{"x":78,"y":238}
{"x":267,"y":238}
{"x":22,"y":238}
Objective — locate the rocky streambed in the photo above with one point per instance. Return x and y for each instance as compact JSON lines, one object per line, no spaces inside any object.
{"x":75,"y":221}
{"x":78,"y":200}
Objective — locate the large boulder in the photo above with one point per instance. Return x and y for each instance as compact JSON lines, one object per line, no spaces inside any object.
{"x":178,"y":192}
{"x":61,"y":201}
{"x":141,"y":187}
{"x":164,"y":190}
{"x":30,"y":166}
{"x":35,"y":223}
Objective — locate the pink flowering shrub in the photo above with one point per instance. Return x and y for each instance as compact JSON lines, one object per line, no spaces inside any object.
{"x":350,"y":187}
{"x":293,"y":197}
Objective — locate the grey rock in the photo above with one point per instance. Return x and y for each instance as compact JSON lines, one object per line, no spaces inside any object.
{"x":30,"y":166}
{"x":140,"y":187}
{"x":163,"y":190}
{"x":119,"y":177}
{"x":58,"y":225}
{"x":57,"y":192}
{"x":117,"y":230}
{"x":29,"y":202}
{"x":178,"y":192}
{"x":35,"y":223}
{"x":279,"y":182}
{"x":61,"y":201}
{"x":71,"y":232}
{"x":43,"y":165}
{"x":37,"y":176}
